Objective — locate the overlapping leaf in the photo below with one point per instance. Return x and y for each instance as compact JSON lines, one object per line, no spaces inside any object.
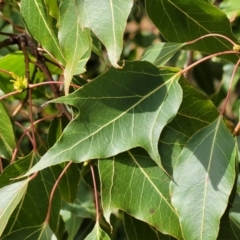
{"x":42,"y":26}
{"x":134,"y":183}
{"x":203,"y":179}
{"x":73,"y":39}
{"x":97,"y":234}
{"x":160,"y":53}
{"x":113,"y":110}
{"x":10,"y":196}
{"x":182,"y":21}
{"x":23,"y":218}
{"x":196,"y":111}
{"x":136,"y":230}
{"x":42,"y":232}
{"x":7,"y":139}
{"x":107,"y":19}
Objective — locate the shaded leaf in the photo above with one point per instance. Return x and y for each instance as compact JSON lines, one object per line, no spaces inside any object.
{"x":42,"y":232}
{"x":10,"y":196}
{"x":83,"y":206}
{"x":74,"y":41}
{"x":182,"y":21}
{"x":136,"y":230}
{"x":38,"y":191}
{"x":12,"y":3}
{"x":7,"y":138}
{"x":110,"y":121}
{"x":159,"y":54}
{"x":72,"y":223}
{"x":69,"y":182}
{"x":97,"y":234}
{"x":196,"y":111}
{"x":134,"y":183}
{"x":107,"y":19}
{"x":42,"y":26}
{"x":203,"y":179}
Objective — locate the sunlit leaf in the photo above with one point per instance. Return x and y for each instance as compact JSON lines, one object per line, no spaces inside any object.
{"x":107,"y":19}
{"x":203,"y":178}
{"x":38,"y":191}
{"x":42,"y":26}
{"x":110,"y":121}
{"x":7,"y":138}
{"x":134,"y":183}
{"x":10,"y":196}
{"x":73,"y":39}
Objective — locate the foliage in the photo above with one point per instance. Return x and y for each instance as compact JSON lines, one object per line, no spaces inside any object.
{"x":119,"y":119}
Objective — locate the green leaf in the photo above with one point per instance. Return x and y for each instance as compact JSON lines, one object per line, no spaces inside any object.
{"x":136,"y":230}
{"x":203,"y":179}
{"x":74,"y":41}
{"x":183,"y":21}
{"x":235,"y":214}
{"x":160,"y":53}
{"x":28,"y":214}
{"x":10,"y":196}
{"x":42,"y":26}
{"x":52,"y":7}
{"x":42,"y":232}
{"x":196,"y":111}
{"x":69,"y":182}
{"x":133,"y":183}
{"x":72,"y":223}
{"x":112,"y":121}
{"x":107,"y":19}
{"x":97,"y":234}
{"x":7,"y":138}
{"x":83,"y":206}
{"x":12,"y":3}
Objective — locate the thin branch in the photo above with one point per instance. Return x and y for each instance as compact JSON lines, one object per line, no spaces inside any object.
{"x":206,"y":58}
{"x":230,"y":87}
{"x":211,"y":35}
{"x":53,"y":191}
{"x":95,"y":193}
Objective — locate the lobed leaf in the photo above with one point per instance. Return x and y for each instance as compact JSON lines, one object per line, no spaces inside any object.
{"x":133,"y":183}
{"x":113,"y":110}
{"x":203,"y":178}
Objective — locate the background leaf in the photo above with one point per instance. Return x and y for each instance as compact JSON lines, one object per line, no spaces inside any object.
{"x":203,"y":179}
{"x":10,"y":196}
{"x":7,"y":138}
{"x":182,"y":21}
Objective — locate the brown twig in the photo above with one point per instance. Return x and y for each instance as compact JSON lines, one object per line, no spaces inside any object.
{"x":95,"y":193}
{"x":53,"y":191}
